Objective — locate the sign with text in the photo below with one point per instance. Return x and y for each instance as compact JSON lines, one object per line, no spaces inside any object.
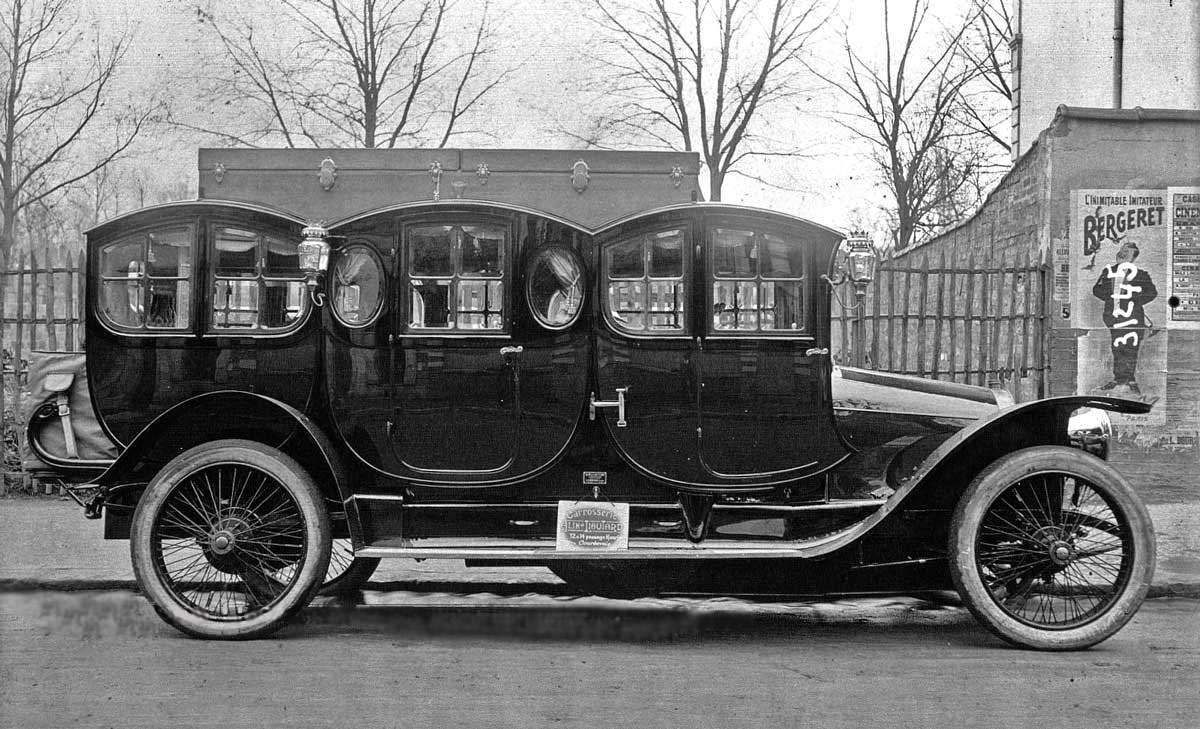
{"x":1183,"y":214}
{"x":592,"y":526}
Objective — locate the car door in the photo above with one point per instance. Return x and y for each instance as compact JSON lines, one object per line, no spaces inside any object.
{"x":455,"y":398}
{"x":762,"y":362}
{"x":643,"y":351}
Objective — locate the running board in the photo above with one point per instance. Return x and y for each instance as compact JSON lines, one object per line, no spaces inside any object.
{"x":512,"y":550}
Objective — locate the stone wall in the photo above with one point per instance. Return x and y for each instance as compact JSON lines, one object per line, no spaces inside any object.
{"x":1037,"y":210}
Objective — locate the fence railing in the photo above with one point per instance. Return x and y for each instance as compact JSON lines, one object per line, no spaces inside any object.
{"x":982,"y":325}
{"x":41,"y":308}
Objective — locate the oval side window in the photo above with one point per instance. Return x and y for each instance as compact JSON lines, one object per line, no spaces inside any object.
{"x":357,"y":285}
{"x":554,"y":287}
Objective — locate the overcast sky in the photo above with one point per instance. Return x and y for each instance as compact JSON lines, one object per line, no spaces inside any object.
{"x":551,"y":42}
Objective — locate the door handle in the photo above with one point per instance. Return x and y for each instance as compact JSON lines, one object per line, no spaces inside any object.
{"x":619,"y":404}
{"x":816,"y":350}
{"x":509,"y":351}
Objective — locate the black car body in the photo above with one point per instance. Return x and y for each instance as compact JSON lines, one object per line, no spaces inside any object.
{"x":588,"y":369}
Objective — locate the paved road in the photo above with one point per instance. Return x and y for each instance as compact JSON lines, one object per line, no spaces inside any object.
{"x":439,"y":660}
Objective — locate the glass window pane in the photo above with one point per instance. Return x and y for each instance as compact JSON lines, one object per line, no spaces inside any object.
{"x":627,"y":304}
{"x":235,"y":303}
{"x":169,"y":305}
{"x":357,"y":285}
{"x":555,"y":287}
{"x":783,"y":306}
{"x":666,"y":254}
{"x":734,"y":252}
{"x":123,"y":258}
{"x":625,"y":259}
{"x":735,"y":305}
{"x":170,"y":253}
{"x":283,"y":258}
{"x":282,"y":303}
{"x":782,"y":257}
{"x":121,"y":302}
{"x":481,"y":250}
{"x":430,"y":304}
{"x":429,"y":250}
{"x":236,"y":252}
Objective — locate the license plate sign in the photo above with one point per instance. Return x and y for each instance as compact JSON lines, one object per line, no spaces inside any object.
{"x":592,"y":526}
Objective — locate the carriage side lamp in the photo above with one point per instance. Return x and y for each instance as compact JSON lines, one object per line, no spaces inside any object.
{"x":314,"y":259}
{"x":856,"y":261}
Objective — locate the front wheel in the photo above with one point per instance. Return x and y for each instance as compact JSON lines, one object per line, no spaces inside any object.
{"x":230,"y":539}
{"x":1051,"y":549}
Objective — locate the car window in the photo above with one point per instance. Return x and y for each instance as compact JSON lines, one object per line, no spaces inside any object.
{"x":554,"y":287}
{"x":257,"y":283}
{"x":757,"y":282}
{"x":146,"y":280}
{"x":645,"y":282}
{"x":456,"y":277}
{"x":358,"y":285}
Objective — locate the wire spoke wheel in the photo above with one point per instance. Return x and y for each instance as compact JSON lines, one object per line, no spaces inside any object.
{"x":1051,"y":549}
{"x":1054,"y":551}
{"x":230,"y":539}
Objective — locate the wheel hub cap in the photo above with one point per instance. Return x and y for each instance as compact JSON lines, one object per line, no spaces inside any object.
{"x":1060,"y":553}
{"x":223,"y":542}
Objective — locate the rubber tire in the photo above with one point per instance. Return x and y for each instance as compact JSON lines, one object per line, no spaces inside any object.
{"x":312,"y":507}
{"x":623,"y":579}
{"x":978,"y":498}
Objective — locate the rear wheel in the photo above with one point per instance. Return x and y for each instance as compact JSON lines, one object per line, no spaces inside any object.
{"x":230,"y":539}
{"x":1051,"y":549}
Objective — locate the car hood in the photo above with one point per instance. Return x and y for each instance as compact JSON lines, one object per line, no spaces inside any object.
{"x":855,"y":389}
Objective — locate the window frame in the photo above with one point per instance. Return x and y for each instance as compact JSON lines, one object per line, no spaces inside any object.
{"x":535,"y":257}
{"x":144,"y":232}
{"x":710,"y":277}
{"x":404,"y":277}
{"x":210,"y":269}
{"x":384,"y":284}
{"x":687,"y":278}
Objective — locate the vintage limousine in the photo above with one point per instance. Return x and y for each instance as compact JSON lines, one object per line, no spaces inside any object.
{"x":549,"y":358}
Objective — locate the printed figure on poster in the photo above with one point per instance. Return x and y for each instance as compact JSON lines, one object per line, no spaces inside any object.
{"x":1124,"y":290}
{"x":1119,"y":260}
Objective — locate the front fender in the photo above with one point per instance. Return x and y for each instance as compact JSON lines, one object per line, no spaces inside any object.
{"x":938,"y":480}
{"x":233,"y":414}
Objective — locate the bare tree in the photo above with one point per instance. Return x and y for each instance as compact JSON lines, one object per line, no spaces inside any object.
{"x":53,"y":107}
{"x":985,"y":107}
{"x":698,"y":75}
{"x":903,"y":106}
{"x":374,"y":73}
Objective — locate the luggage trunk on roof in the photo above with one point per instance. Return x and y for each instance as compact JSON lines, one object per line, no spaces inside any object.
{"x":333,"y":184}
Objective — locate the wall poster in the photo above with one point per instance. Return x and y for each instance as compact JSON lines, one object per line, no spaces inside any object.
{"x":1183,"y":215}
{"x":1120,"y":261}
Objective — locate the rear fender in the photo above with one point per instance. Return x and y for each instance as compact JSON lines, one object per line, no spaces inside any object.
{"x":232,"y":414}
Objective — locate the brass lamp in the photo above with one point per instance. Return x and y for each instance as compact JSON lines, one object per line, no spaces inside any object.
{"x":855,"y":262}
{"x":314,"y":258}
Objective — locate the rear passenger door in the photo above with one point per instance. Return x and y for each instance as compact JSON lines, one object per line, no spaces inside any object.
{"x":455,"y":407}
